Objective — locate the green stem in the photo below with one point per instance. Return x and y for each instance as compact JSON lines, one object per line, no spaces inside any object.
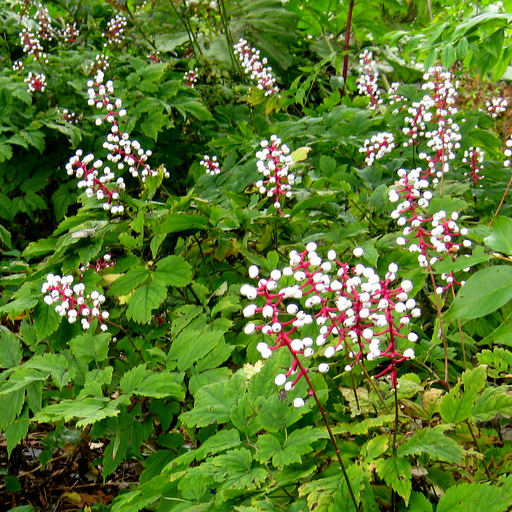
{"x":502,"y":201}
{"x":229,"y":39}
{"x":347,"y":45}
{"x":329,"y":431}
{"x":477,"y":445}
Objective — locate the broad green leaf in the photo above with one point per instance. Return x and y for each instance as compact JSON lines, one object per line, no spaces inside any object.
{"x":46,"y":320}
{"x":395,"y":471}
{"x":434,"y":443}
{"x":174,"y":271}
{"x":10,"y":350}
{"x":478,"y":497}
{"x":90,"y":347}
{"x":16,"y":431}
{"x":493,"y":402}
{"x":10,"y":406}
{"x":55,"y":365}
{"x":18,"y":306}
{"x":319,"y":493}
{"x":213,"y":403}
{"x":177,"y":222}
{"x":160,"y":385}
{"x":447,"y":265}
{"x":87,"y":411}
{"x":191,"y":346}
{"x":132,"y":378}
{"x":144,"y":300}
{"x":375,"y":447}
{"x":129,"y":281}
{"x":419,"y":503}
{"x":457,"y":405}
{"x":501,"y":237}
{"x":341,"y":499}
{"x":484,"y":292}
{"x":5,"y":237}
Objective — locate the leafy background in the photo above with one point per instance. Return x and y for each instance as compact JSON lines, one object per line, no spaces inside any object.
{"x":172,"y":408}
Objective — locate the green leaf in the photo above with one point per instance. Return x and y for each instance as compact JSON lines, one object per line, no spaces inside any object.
{"x":192,"y":345}
{"x":87,"y":411}
{"x":154,"y":124}
{"x":186,"y":106}
{"x":132,"y":378}
{"x":129,"y":281}
{"x":213,"y":403}
{"x":395,"y":471}
{"x":477,"y":497}
{"x":16,"y":431}
{"x":434,"y":443}
{"x":456,"y":405}
{"x":492,"y":402}
{"x":177,"y":222}
{"x":484,"y":292}
{"x":359,"y":480}
{"x":447,"y":265}
{"x":448,"y":56}
{"x":10,"y":406}
{"x":160,"y":385}
{"x":501,"y":237}
{"x":144,"y":300}
{"x":90,"y":347}
{"x":10,"y":350}
{"x":5,"y":237}
{"x":46,"y":320}
{"x":55,"y":365}
{"x":319,"y":493}
{"x":174,"y":271}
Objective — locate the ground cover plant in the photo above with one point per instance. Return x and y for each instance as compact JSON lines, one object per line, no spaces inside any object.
{"x":256,"y":256}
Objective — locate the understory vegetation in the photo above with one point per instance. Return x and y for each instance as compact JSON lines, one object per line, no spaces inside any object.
{"x":255,"y":255}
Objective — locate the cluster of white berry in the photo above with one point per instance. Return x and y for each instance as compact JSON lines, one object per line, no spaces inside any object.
{"x":422,"y":233}
{"x":431,"y":119}
{"x":70,"y":33}
{"x":368,"y":77}
{"x":32,"y":45}
{"x":377,"y":146}
{"x":474,"y":157}
{"x":508,"y":153}
{"x":45,"y":30}
{"x":122,"y":151}
{"x":496,"y":106}
{"x":190,"y":77}
{"x":255,"y":67}
{"x":357,"y":314}
{"x":105,"y":187}
{"x":115,"y":30}
{"x":211,"y":165}
{"x":274,"y":161}
{"x":35,"y":82}
{"x":71,"y":301}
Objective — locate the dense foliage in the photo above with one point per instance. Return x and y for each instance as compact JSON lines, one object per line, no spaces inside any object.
{"x":255,"y":255}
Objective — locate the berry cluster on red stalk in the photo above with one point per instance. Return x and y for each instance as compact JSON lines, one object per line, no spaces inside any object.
{"x":45,"y":23}
{"x":378,"y":146}
{"x":115,"y":31}
{"x":274,"y":162}
{"x":368,"y":77}
{"x":358,"y":315}
{"x":474,"y":157}
{"x":32,"y":46}
{"x":496,"y":106}
{"x":35,"y":82}
{"x":211,"y":165}
{"x":101,"y":263}
{"x":430,"y":118}
{"x":430,"y":236}
{"x":255,"y":67}
{"x":190,"y":77}
{"x":72,"y":302}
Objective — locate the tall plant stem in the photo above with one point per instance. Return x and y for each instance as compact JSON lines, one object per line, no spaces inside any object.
{"x":347,"y":45}
{"x":441,"y":324}
{"x":477,"y":445}
{"x":192,"y":39}
{"x":204,"y":262}
{"x":462,"y":344}
{"x":502,"y":201}
{"x":329,"y":431}
{"x":227,"y":32}
{"x":393,"y":496}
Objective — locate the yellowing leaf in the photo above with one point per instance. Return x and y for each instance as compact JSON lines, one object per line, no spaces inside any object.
{"x":300,"y":154}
